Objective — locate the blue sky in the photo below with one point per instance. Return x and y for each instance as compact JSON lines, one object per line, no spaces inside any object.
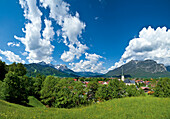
{"x":93,"y":35}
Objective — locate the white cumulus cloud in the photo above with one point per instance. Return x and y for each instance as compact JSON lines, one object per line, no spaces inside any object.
{"x":91,"y":64}
{"x":58,"y":9}
{"x":37,"y":40}
{"x":39,"y":49}
{"x":24,"y":53}
{"x":151,"y":44}
{"x":12,"y":44}
{"x":12,"y":57}
{"x":48,"y":32}
{"x":0,"y":58}
{"x":71,"y":28}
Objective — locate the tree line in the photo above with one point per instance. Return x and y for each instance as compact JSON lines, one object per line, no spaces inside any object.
{"x":15,"y":87}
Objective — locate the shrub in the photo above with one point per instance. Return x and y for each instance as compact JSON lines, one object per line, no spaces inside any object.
{"x":163,"y":88}
{"x":132,"y":91}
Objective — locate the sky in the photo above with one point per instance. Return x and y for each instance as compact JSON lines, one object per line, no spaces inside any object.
{"x":86,"y":35}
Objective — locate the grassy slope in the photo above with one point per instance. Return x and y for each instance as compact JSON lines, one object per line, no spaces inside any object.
{"x":34,"y":102}
{"x":126,"y":108}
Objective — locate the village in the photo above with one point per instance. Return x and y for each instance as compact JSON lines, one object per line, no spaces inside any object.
{"x":144,"y":84}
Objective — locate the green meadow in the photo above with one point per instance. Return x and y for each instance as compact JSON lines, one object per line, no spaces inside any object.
{"x":124,"y":108}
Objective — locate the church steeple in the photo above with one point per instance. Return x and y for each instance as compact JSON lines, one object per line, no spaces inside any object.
{"x":122,"y":77}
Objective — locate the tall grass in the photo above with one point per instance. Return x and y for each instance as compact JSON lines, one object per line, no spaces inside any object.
{"x":125,"y":108}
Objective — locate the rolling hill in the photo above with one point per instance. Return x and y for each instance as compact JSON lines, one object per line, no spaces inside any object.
{"x":124,"y":108}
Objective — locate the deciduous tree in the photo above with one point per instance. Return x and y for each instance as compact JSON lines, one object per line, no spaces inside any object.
{"x":163,"y":88}
{"x":14,"y":88}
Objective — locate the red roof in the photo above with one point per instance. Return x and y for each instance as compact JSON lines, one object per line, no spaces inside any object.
{"x":147,"y":82}
{"x":101,"y":82}
{"x":75,"y":79}
{"x":138,"y":80}
{"x":144,"y":88}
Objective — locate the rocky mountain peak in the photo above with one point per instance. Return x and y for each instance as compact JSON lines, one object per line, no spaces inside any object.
{"x":42,"y":63}
{"x":61,"y":67}
{"x":140,"y":69}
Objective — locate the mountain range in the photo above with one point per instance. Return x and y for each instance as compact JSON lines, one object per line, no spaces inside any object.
{"x":141,"y":69}
{"x":39,"y":68}
{"x":134,"y":68}
{"x":60,"y":70}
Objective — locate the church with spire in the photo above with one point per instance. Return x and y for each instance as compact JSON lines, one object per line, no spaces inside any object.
{"x":122,"y":77}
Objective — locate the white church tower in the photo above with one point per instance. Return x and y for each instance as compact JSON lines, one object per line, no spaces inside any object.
{"x":122,"y":77}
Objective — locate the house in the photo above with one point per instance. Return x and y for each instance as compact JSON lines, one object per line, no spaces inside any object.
{"x":146,"y":89}
{"x":150,"y":92}
{"x":129,"y":82}
{"x":75,"y":79}
{"x":105,"y":83}
{"x":85,"y":82}
{"x":101,"y":82}
{"x":147,"y":82}
{"x":139,"y":81}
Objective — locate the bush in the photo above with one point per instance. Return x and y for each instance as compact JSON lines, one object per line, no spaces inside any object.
{"x":132,"y":91}
{"x":92,"y":88}
{"x":116,"y":89}
{"x":141,"y":92}
{"x":102,"y":93}
{"x":163,"y":88}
